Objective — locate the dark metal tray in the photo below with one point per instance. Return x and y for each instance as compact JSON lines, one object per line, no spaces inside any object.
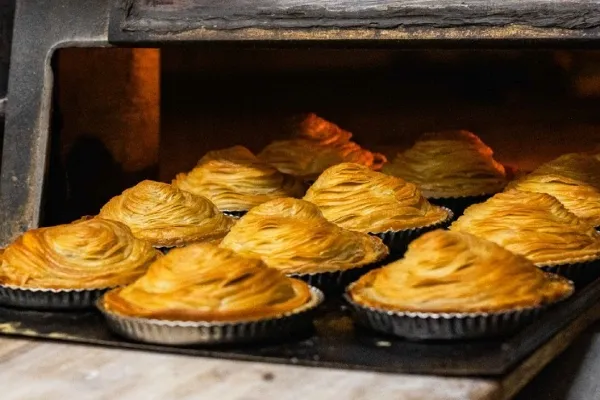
{"x":335,"y":341}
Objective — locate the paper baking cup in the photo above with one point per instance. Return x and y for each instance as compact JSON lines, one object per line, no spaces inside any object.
{"x":398,"y":241}
{"x":581,"y":273}
{"x":49,"y":299}
{"x":460,"y":203}
{"x":443,"y":326}
{"x":185,"y":333}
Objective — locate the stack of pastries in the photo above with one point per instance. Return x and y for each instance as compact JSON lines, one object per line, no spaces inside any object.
{"x":235,"y":180}
{"x":452,"y":168}
{"x":254,"y":244}
{"x":318,"y":145}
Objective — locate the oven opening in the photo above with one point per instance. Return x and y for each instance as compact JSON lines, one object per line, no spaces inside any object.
{"x":123,"y":115}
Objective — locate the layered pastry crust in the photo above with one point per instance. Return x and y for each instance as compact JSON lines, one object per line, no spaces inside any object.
{"x":449,"y":164}
{"x":578,"y":167}
{"x":294,"y":237}
{"x":453,"y":272}
{"x":357,"y":198}
{"x":579,"y":197}
{"x":319,"y":145}
{"x":202,"y":282}
{"x":236,"y":180}
{"x":89,"y":254}
{"x":535,"y":225}
{"x":167,"y":216}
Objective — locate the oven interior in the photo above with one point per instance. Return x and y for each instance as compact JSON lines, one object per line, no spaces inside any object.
{"x":121,"y":115}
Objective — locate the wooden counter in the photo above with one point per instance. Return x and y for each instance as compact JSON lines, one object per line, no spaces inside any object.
{"x":51,"y":370}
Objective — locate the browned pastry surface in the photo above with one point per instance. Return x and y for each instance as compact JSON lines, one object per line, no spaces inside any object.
{"x":578,"y":167}
{"x":458,"y":273}
{"x":236,"y":180}
{"x":449,"y":164}
{"x":167,"y":216}
{"x":579,"y":197}
{"x":535,"y":225}
{"x":89,"y":254}
{"x":357,"y":198}
{"x":319,"y":145}
{"x":294,"y":237}
{"x":202,"y":282}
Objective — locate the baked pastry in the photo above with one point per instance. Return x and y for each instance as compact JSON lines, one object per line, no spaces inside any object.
{"x":319,"y":144}
{"x":294,"y":237}
{"x":579,"y":197}
{"x":456,"y":272}
{"x":449,"y":164}
{"x":91,"y":254}
{"x":535,"y":225}
{"x":579,"y":167}
{"x":236,"y":180}
{"x":166,"y":216}
{"x":359,"y":199}
{"x":203,"y":282}
{"x":452,"y":285}
{"x":205,"y":294}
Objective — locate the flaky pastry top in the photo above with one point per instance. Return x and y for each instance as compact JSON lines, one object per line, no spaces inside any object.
{"x":318,"y":145}
{"x":454,"y":272}
{"x":357,"y":198}
{"x":89,"y":254}
{"x":203,"y":282}
{"x":578,"y":167}
{"x":315,"y":128}
{"x":236,"y":180}
{"x":579,"y":197}
{"x":535,"y":225}
{"x":293,"y":236}
{"x":167,"y":216}
{"x":449,"y":164}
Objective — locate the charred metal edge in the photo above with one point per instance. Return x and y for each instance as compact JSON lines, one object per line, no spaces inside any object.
{"x":421,"y":18}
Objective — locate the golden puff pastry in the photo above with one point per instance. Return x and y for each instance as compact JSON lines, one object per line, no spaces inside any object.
{"x":580,"y":198}
{"x":453,"y":272}
{"x":294,"y":237}
{"x":236,"y":180}
{"x":89,"y":254}
{"x":319,"y":145}
{"x":535,"y":225}
{"x":578,"y":167}
{"x":315,"y":128}
{"x":166,"y":216}
{"x":202,"y":282}
{"x":449,"y":164}
{"x":357,"y":198}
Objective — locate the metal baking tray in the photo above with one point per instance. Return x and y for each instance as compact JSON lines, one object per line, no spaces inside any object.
{"x":335,"y":342}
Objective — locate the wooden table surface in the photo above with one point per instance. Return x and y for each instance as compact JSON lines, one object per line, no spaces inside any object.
{"x":32,"y":370}
{"x":52,"y":370}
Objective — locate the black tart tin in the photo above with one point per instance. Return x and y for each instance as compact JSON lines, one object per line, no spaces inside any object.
{"x":398,"y":241}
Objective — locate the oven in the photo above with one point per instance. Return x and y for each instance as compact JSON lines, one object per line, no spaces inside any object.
{"x":141,"y":89}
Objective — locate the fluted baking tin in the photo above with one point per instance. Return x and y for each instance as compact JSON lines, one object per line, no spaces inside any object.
{"x":49,"y":299}
{"x":458,"y":204}
{"x":582,"y":272}
{"x":398,"y":241}
{"x":182,"y":333}
{"x":444,"y":326}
